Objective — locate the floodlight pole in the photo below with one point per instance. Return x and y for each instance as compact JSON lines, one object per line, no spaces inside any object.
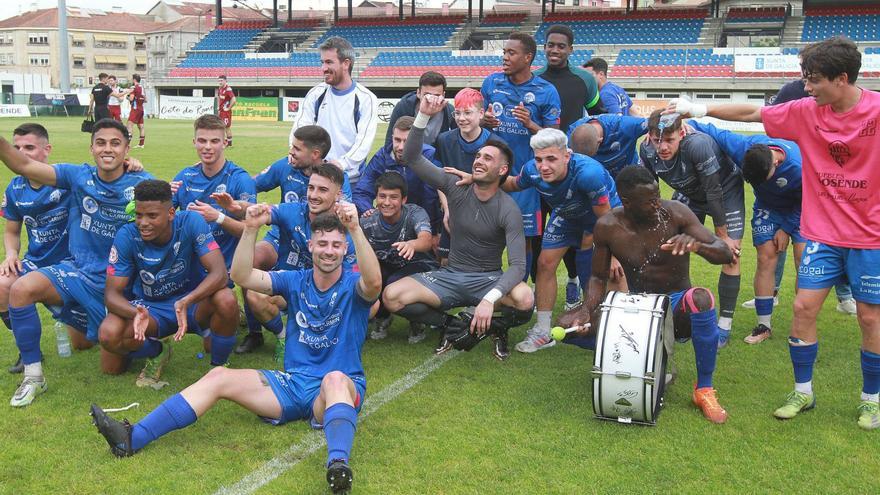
{"x":63,"y":44}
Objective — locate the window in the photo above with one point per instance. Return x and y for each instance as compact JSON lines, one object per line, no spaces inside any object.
{"x":140,"y":44}
{"x":661,"y":96}
{"x":6,"y":59}
{"x":5,"y":39}
{"x":39,"y":60}
{"x":141,"y":67}
{"x":755,"y":97}
{"x":79,"y":81}
{"x":38,"y":38}
{"x":79,"y":63}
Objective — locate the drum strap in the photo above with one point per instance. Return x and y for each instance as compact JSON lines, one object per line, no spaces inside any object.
{"x":689,"y":303}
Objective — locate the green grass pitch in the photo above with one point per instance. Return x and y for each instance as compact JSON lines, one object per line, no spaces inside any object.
{"x":473,"y":426}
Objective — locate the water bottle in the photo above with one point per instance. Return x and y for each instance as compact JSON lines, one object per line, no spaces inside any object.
{"x":62,"y":340}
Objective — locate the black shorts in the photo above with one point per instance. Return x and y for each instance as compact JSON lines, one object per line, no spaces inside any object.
{"x":733,"y":202}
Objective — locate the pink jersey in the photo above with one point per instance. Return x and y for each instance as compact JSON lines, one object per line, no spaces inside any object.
{"x":841,"y":177}
{"x":226,"y":95}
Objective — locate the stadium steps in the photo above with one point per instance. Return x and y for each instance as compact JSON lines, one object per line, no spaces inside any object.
{"x":460,"y":35}
{"x":794,"y":28}
{"x":711,"y":32}
{"x":260,"y":39}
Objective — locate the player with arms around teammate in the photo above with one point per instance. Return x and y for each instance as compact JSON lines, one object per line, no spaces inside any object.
{"x":707,"y":180}
{"x":484,"y":221}
{"x":156,"y":257}
{"x":836,"y":131}
{"x":100,"y":196}
{"x":323,"y":378}
{"x":225,"y":102}
{"x":611,"y":140}
{"x":653,"y":238}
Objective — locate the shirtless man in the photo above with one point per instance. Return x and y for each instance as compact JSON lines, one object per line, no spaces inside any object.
{"x":652,"y":239}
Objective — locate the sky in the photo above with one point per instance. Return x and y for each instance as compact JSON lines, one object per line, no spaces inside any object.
{"x":9,"y":8}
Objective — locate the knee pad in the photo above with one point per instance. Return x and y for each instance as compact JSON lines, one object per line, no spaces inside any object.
{"x":691,"y":306}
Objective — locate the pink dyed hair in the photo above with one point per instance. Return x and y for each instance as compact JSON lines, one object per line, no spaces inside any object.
{"x":468,"y":97}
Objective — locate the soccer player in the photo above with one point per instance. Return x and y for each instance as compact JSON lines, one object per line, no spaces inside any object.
{"x":708,"y":181}
{"x":519,"y":104}
{"x":400,"y":234}
{"x":114,"y":103}
{"x":390,"y":159}
{"x":99,"y":98}
{"x":194,"y":187}
{"x":579,"y":191}
{"x":292,"y":246}
{"x":100,"y":195}
{"x":485,"y":221}
{"x":136,"y":115}
{"x":457,"y":148}
{"x":347,"y":109}
{"x":773,"y":168}
{"x":323,"y":378}
{"x":156,"y":258}
{"x":44,"y":212}
{"x":611,"y":140}
{"x":225,"y":102}
{"x":653,"y":239}
{"x":430,"y":83}
{"x":577,"y":88}
{"x":614,"y":98}
{"x":311,"y":143}
{"x":836,"y":131}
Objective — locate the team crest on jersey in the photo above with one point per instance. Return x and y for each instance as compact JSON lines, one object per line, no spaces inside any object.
{"x":55,"y":196}
{"x":221,"y":188}
{"x":176,"y":248}
{"x":497,"y":108}
{"x":90,"y":205}
{"x":201,"y":238}
{"x":528,"y":98}
{"x":114,"y":255}
{"x":840,"y":152}
{"x":147,"y":277}
{"x":781,"y":182}
{"x":301,"y":320}
{"x":90,"y":182}
{"x":29,"y":221}
{"x":291,"y":197}
{"x":129,"y":193}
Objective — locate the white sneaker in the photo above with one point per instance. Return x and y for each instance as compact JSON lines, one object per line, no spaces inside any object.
{"x":30,"y":388}
{"x":750,"y":304}
{"x":847,"y":307}
{"x":536,"y":339}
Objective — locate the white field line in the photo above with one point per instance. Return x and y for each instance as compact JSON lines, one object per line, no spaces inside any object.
{"x":314,"y":440}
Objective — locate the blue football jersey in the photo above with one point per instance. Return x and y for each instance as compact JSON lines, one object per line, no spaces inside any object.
{"x":326,"y":329}
{"x":44,"y":212}
{"x":615,"y":100}
{"x":97,"y":213}
{"x":782,"y":192}
{"x":196,"y":186}
{"x":620,"y":135}
{"x":587,"y":184}
{"x":293,"y":182}
{"x":161,"y":272}
{"x":294,"y":232}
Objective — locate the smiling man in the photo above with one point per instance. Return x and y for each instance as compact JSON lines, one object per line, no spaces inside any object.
{"x":347,"y":109}
{"x":101,"y":194}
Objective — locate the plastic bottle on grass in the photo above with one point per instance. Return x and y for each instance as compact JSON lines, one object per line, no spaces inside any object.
{"x":62,"y":340}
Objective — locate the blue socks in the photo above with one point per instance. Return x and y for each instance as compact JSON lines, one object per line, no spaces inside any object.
{"x":583,"y":262}
{"x":870,"y":372}
{"x":340,"y":423}
{"x":253,"y":323}
{"x":173,"y":414}
{"x":27,"y":330}
{"x":704,"y":333}
{"x":221,"y":348}
{"x":802,"y":359}
{"x":582,"y":342}
{"x":275,"y":325}
{"x":150,"y":349}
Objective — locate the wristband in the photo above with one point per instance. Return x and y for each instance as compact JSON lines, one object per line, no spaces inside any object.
{"x":221,"y":218}
{"x":421,"y":120}
{"x":493,"y":296}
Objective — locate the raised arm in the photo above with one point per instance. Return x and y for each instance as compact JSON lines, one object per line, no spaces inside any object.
{"x":370,"y":283}
{"x":242,"y":270}
{"x":736,"y":112}
{"x":412,"y":151}
{"x":22,"y":165}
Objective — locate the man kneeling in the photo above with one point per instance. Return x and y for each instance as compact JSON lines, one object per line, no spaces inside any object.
{"x":161,"y":252}
{"x":323,"y":378}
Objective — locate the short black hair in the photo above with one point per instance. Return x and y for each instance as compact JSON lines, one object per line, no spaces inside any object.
{"x":327,"y":222}
{"x":136,"y":77}
{"x":560,"y":29}
{"x":631,"y":177}
{"x":222,"y":76}
{"x":109,"y":123}
{"x":391,"y":180}
{"x":153,"y":190}
{"x":506,"y":151}
{"x":31,"y":128}
{"x":654,"y":123}
{"x":597,"y":64}
{"x":103,"y":75}
{"x":330,"y":171}
{"x":756,"y":164}
{"x":527,"y":40}
{"x":432,"y":78}
{"x":314,"y":137}
{"x":831,"y":58}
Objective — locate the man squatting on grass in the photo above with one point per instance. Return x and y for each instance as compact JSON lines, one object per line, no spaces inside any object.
{"x":323,"y":378}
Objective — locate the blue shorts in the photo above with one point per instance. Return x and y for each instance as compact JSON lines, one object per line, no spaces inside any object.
{"x":530,"y":206}
{"x":72,"y":315}
{"x":296,"y":393}
{"x":823,"y":266}
{"x":75,"y":291}
{"x":567,"y":232}
{"x":765,"y":224}
{"x":166,"y":319}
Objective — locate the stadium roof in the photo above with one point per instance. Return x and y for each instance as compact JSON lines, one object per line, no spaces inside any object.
{"x":199,"y":8}
{"x":88,"y":20}
{"x":186,"y":24}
